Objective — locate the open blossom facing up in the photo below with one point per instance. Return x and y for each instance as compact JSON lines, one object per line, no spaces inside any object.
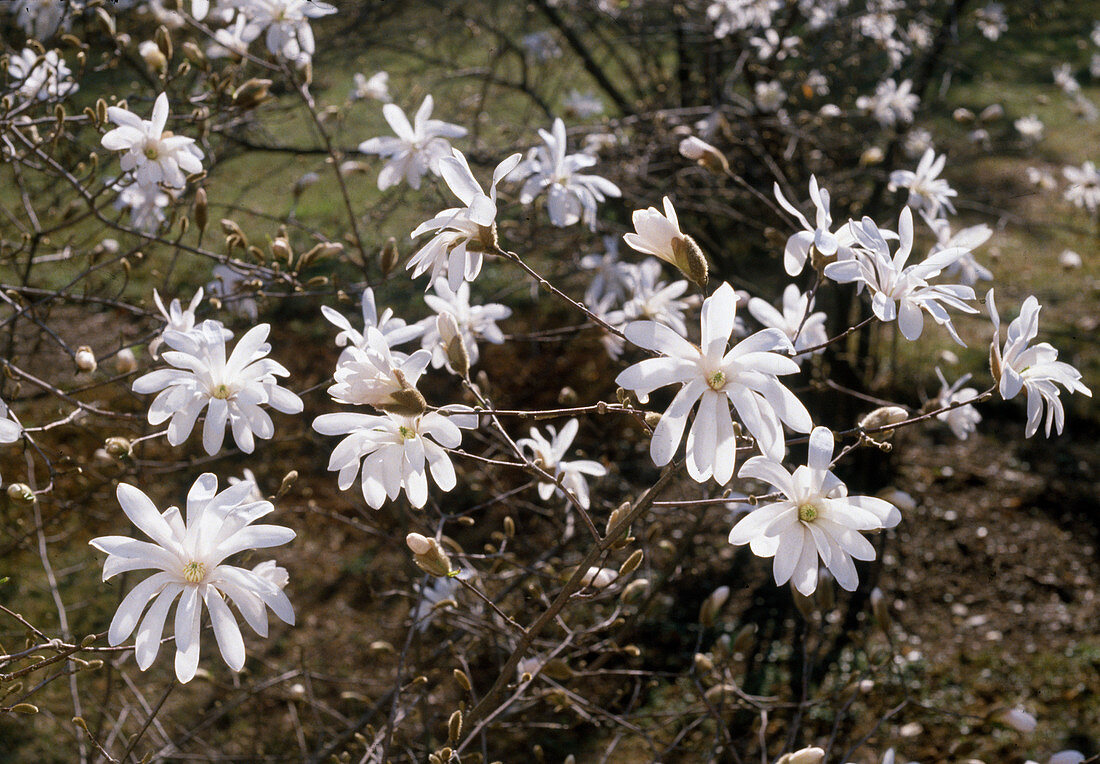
{"x":396,"y":452}
{"x":416,"y":149}
{"x":1030,"y":128}
{"x":572,"y":196}
{"x":802,"y":327}
{"x":1035,"y":368}
{"x":233,"y":388}
{"x":153,"y":154}
{"x":891,"y":103}
{"x":660,"y":235}
{"x":474,"y":322}
{"x":813,"y":238}
{"x":731,"y":16}
{"x":189,"y":552}
{"x":901,"y":292}
{"x":548,"y":453}
{"x":927,"y":191}
{"x":816,"y":518}
{"x":1084,"y":186}
{"x":461,"y":234}
{"x":376,"y":86}
{"x":394,"y":330}
{"x":40,"y":78}
{"x":962,"y":420}
{"x":714,"y":376}
{"x":609,"y":274}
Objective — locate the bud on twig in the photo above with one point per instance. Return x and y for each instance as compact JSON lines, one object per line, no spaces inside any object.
{"x":712,"y":605}
{"x":201,"y":210}
{"x":631,"y":564}
{"x":690,"y":260}
{"x":706,"y":155}
{"x":884,"y":417}
{"x":85,"y":359}
{"x":454,"y":344}
{"x":389,"y":256}
{"x":454,"y":727}
{"x":428,"y":555}
{"x":252,"y":93}
{"x":118,"y":448}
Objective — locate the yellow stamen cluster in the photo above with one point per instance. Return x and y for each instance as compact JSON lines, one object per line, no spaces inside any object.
{"x":194,"y":572}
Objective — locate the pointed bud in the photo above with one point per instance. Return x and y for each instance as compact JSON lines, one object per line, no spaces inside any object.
{"x":454,"y":727}
{"x":407,"y":401}
{"x":883,"y":417}
{"x":713,"y":605}
{"x":454,"y":344}
{"x":252,"y":93}
{"x":389,"y":256}
{"x":125,"y":361}
{"x":201,"y":210}
{"x":881,"y":609}
{"x":995,"y":365}
{"x":631,"y":564}
{"x":635,"y":590}
{"x":690,"y":260}
{"x":428,"y":555}
{"x":706,"y":155}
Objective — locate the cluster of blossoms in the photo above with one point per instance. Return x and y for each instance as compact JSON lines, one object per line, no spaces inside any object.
{"x":43,"y":77}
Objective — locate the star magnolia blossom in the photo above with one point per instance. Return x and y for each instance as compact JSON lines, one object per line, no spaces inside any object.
{"x":962,"y":420}
{"x":1035,"y":368}
{"x":1084,"y":186}
{"x":396,"y":452}
{"x":189,"y":555}
{"x":474,"y":322}
{"x":233,"y":388}
{"x":817,"y":518}
{"x":966,"y":270}
{"x":154,"y":155}
{"x":891,"y":103}
{"x":285,"y":23}
{"x":652,"y":299}
{"x":548,"y":455}
{"x":803,"y":328}
{"x":660,"y":235}
{"x":372,"y":375}
{"x":178,"y":319}
{"x":571,"y":196}
{"x":927,"y":191}
{"x":813,"y":237}
{"x":417,"y":148}
{"x":462,"y":234}
{"x":394,"y":329}
{"x":898,"y":291}
{"x":42,"y":77}
{"x":715,"y":377}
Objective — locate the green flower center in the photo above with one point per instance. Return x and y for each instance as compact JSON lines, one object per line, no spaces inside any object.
{"x":194,"y":572}
{"x":221,"y":391}
{"x":807,"y":513}
{"x":717,"y":380}
{"x":406,"y":432}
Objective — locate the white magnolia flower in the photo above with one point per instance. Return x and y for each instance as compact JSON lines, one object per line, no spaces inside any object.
{"x":431,"y":598}
{"x":660,"y":235}
{"x":396,"y":452}
{"x":371,"y":375}
{"x":817,"y":237}
{"x":891,"y":103}
{"x":41,"y":19}
{"x":770,"y":96}
{"x":582,"y":105}
{"x":394,"y":330}
{"x":417,"y":148}
{"x":10,"y":430}
{"x":146,"y":204}
{"x":233,"y":41}
{"x":772,"y":45}
{"x":230,"y":286}
{"x":900,"y":292}
{"x":731,"y":16}
{"x":651,"y":299}
{"x":610,"y":274}
{"x":917,"y":141}
{"x":1041,"y":177}
{"x":548,"y":453}
{"x":1030,"y":128}
{"x":285,"y":24}
{"x":154,"y":156}
{"x":190,"y":552}
{"x":992,"y":21}
{"x":179,"y":319}
{"x":1064,"y":79}
{"x":233,"y":388}
{"x":715,"y":377}
{"x":1070,"y":260}
{"x":1035,"y":368}
{"x":249,"y":477}
{"x":571,"y":196}
{"x":1084,"y":186}
{"x":40,"y":78}
{"x":927,"y":192}
{"x":817,"y":518}
{"x":803,"y":328}
{"x":377,"y":86}
{"x":964,"y":419}
{"x":966,"y":270}
{"x":474,"y":322}
{"x":461,"y":234}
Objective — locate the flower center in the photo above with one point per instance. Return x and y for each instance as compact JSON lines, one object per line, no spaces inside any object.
{"x":406,"y":432}
{"x":221,"y":391}
{"x":717,"y":380}
{"x":194,"y":572}
{"x":807,"y":513}
{"x":152,"y":150}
